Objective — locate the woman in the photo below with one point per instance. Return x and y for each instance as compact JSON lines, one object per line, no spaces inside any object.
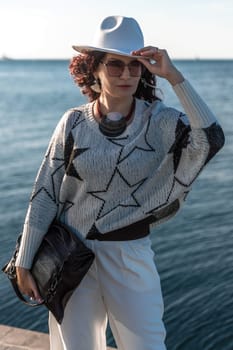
{"x":116,"y":166}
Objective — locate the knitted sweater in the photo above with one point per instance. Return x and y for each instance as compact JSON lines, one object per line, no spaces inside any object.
{"x":96,"y":183}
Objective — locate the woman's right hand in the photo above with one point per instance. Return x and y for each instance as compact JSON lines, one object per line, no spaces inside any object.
{"x":162,"y":65}
{"x":27,"y":284}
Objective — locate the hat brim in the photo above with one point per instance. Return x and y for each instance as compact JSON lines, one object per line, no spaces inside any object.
{"x":83,"y":49}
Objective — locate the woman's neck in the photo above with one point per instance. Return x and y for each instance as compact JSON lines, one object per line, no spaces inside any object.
{"x":120,"y":105}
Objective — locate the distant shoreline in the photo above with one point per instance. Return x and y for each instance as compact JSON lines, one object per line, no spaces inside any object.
{"x":6,"y":59}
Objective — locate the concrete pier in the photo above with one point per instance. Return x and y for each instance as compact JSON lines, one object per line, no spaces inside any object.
{"x":21,"y":339}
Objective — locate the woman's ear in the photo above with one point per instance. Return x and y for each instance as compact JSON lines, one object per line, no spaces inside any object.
{"x":97,"y":85}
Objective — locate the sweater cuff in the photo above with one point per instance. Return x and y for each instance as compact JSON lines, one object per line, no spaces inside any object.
{"x":199,"y":114}
{"x":30,"y":242}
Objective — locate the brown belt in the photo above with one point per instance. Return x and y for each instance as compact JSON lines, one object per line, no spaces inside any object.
{"x":136,"y":230}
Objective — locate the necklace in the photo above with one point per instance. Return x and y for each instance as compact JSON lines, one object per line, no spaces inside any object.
{"x":114,"y":123}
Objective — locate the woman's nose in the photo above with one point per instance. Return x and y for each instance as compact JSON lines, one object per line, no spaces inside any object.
{"x":125,"y":74}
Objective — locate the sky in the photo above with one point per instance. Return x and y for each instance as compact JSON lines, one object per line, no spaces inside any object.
{"x":48,"y":28}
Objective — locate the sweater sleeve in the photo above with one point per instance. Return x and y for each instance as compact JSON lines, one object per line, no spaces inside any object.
{"x":198,"y":135}
{"x":44,"y":200}
{"x":199,"y":114}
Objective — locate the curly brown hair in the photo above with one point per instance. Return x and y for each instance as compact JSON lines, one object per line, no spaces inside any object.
{"x":83,"y":66}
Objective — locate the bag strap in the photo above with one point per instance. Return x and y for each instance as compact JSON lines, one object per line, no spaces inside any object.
{"x":20,"y":295}
{"x":10,"y":270}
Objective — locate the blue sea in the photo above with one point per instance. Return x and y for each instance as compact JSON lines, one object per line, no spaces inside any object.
{"x":194,"y":250}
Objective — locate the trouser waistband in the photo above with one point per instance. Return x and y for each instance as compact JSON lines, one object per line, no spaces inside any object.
{"x":136,"y":230}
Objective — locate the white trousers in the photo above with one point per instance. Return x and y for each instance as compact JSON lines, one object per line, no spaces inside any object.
{"x":123,"y":287}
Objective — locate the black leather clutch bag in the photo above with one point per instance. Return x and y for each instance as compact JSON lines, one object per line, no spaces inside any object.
{"x":58,"y":268}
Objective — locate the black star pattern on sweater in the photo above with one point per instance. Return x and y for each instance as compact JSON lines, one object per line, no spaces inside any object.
{"x":79,"y":118}
{"x":143,"y":144}
{"x":215,"y":138}
{"x":51,"y":191}
{"x":123,"y":198}
{"x":70,"y":154}
{"x":66,"y":206}
{"x":181,"y":141}
{"x":160,"y":211}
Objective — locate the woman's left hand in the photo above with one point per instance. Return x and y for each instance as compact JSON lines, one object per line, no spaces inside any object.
{"x":159,"y":63}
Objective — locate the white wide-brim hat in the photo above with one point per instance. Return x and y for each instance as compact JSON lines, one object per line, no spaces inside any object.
{"x":116,"y":34}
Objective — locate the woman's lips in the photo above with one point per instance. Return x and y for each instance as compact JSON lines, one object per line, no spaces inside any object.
{"x":124,"y":86}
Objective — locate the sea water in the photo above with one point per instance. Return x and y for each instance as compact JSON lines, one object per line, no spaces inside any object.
{"x":193,"y":251}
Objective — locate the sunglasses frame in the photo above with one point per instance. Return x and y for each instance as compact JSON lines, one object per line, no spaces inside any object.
{"x":122,"y":66}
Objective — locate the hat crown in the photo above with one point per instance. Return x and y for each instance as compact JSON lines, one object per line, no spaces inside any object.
{"x":119,"y":33}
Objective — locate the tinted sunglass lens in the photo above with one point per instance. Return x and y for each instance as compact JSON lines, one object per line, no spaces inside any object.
{"x":135,"y":68}
{"x":116,"y":68}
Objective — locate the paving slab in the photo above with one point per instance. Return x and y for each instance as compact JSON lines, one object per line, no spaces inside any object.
{"x":12,"y":338}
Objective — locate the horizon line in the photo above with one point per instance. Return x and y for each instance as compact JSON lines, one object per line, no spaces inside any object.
{"x":7,"y":58}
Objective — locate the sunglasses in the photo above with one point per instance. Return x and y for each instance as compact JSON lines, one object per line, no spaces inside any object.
{"x":115,"y":68}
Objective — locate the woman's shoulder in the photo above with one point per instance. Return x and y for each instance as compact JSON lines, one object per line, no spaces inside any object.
{"x":159,"y":112}
{"x":69,"y":119}
{"x":73,"y":115}
{"x":74,"y":111}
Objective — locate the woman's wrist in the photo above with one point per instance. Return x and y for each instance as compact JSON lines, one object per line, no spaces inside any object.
{"x":21,"y":269}
{"x":175,"y":77}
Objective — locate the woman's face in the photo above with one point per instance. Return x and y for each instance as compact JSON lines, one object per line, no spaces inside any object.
{"x":119,"y":75}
